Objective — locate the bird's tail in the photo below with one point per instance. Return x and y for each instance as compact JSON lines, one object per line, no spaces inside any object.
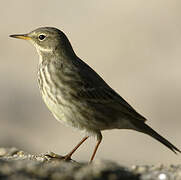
{"x":144,"y":128}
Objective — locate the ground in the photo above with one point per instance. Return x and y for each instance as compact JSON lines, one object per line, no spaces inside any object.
{"x":17,"y":164}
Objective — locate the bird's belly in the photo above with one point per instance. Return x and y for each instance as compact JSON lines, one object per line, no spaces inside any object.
{"x":54,"y":108}
{"x":62,"y":112}
{"x":49,"y":94}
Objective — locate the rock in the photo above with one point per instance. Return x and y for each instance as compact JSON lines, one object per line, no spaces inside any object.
{"x":16,"y":164}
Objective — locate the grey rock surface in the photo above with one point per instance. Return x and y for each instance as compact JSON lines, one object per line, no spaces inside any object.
{"x":16,"y":164}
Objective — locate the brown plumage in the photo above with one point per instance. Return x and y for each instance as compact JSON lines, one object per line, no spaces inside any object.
{"x":76,"y":95}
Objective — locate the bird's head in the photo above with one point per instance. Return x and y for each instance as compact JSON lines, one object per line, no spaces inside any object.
{"x":47,"y":40}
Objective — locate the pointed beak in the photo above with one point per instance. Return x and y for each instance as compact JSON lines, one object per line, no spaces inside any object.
{"x":20,"y":36}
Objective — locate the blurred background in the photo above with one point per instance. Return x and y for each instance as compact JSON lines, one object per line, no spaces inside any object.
{"x":135,"y":45}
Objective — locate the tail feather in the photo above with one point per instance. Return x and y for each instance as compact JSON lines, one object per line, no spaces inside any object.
{"x":144,"y":128}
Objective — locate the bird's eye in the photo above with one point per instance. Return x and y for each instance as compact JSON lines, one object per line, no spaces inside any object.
{"x":41,"y":37}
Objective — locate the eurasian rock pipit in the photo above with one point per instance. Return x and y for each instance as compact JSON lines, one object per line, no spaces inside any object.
{"x":76,"y":95}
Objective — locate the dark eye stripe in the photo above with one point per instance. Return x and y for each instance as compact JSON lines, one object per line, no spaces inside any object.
{"x":42,"y":37}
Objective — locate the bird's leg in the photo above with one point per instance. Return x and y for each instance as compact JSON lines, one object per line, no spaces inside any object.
{"x":96,"y":147}
{"x":68,"y":156}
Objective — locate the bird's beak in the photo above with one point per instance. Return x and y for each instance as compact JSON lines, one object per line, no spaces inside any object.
{"x":20,"y":36}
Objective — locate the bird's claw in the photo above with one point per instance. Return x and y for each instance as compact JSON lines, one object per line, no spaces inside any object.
{"x":53,"y":156}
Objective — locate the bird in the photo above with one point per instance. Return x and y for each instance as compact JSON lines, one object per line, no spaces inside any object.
{"x":77,"y":96}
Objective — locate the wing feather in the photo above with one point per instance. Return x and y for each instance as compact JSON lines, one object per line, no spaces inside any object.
{"x":94,"y":90}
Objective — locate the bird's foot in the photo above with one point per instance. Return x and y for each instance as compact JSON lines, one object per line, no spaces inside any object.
{"x":53,"y":156}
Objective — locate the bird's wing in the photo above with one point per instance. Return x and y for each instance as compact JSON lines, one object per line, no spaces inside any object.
{"x":95,"y":90}
{"x":108,"y":98}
